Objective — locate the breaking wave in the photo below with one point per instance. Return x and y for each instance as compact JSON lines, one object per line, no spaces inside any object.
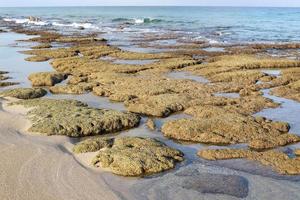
{"x":137,"y":20}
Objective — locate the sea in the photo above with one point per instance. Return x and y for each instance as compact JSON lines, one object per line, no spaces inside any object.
{"x":216,"y":25}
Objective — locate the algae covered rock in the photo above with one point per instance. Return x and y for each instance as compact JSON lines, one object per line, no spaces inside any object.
{"x":277,"y":160}
{"x":223,"y":154}
{"x":74,"y":118}
{"x":79,"y":88}
{"x":4,"y":77}
{"x":297,"y":152}
{"x":5,"y":84}
{"x":25,"y":93}
{"x":37,"y":59}
{"x":217,"y":125}
{"x":46,"y":78}
{"x":135,"y":156}
{"x":53,"y":53}
{"x":92,"y":145}
{"x":42,"y":46}
{"x":160,"y":105}
{"x":151,"y":124}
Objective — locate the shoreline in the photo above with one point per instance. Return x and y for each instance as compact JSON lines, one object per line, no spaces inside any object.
{"x":112,"y":189}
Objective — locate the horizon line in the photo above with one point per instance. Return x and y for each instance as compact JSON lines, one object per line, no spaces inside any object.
{"x":236,"y":6}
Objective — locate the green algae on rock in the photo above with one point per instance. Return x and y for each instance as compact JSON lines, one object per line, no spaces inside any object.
{"x":216,"y":125}
{"x":92,"y":145}
{"x":24,"y":93}
{"x":37,"y":59}
{"x":135,"y":156}
{"x":46,"y":78}
{"x":74,"y":118}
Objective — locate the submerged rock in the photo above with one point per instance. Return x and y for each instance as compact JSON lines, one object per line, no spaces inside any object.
{"x":277,"y":160}
{"x":4,"y":77}
{"x":232,"y":185}
{"x":5,"y":84}
{"x":193,"y":182}
{"x":46,"y":78}
{"x":24,"y":93}
{"x":134,"y":156}
{"x":74,"y":118}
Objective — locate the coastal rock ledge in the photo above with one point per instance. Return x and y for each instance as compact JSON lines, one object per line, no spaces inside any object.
{"x":74,"y":118}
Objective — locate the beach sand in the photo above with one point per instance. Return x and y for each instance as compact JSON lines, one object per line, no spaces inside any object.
{"x":38,"y":167}
{"x":34,"y":167}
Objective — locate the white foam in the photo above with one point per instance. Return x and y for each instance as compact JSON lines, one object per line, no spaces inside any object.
{"x":25,"y":21}
{"x":139,"y":21}
{"x":76,"y":25}
{"x":211,"y":41}
{"x":40,"y":23}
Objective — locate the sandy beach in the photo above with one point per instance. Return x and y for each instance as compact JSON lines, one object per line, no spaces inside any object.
{"x":103,"y":111}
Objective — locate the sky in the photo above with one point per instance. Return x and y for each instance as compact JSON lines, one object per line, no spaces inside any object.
{"x":254,"y":3}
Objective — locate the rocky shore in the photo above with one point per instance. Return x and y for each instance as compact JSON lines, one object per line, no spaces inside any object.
{"x":226,"y":125}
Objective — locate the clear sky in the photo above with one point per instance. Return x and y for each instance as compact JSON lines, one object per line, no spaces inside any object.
{"x":271,"y":3}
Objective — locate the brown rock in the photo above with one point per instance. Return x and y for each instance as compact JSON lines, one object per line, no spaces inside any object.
{"x":46,"y":78}
{"x":134,"y":156}
{"x":151,"y":124}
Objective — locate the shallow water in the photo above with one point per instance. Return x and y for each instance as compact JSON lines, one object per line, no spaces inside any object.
{"x":13,"y":61}
{"x":288,"y":111}
{"x":90,"y":99}
{"x":228,"y":95}
{"x":19,"y":69}
{"x":128,"y":62}
{"x":138,"y":49}
{"x":214,"y":49}
{"x":273,"y":72}
{"x":224,"y":24}
{"x":186,"y":75}
{"x":135,"y":62}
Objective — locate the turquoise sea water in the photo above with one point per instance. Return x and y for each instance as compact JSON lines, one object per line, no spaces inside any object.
{"x":215,"y":24}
